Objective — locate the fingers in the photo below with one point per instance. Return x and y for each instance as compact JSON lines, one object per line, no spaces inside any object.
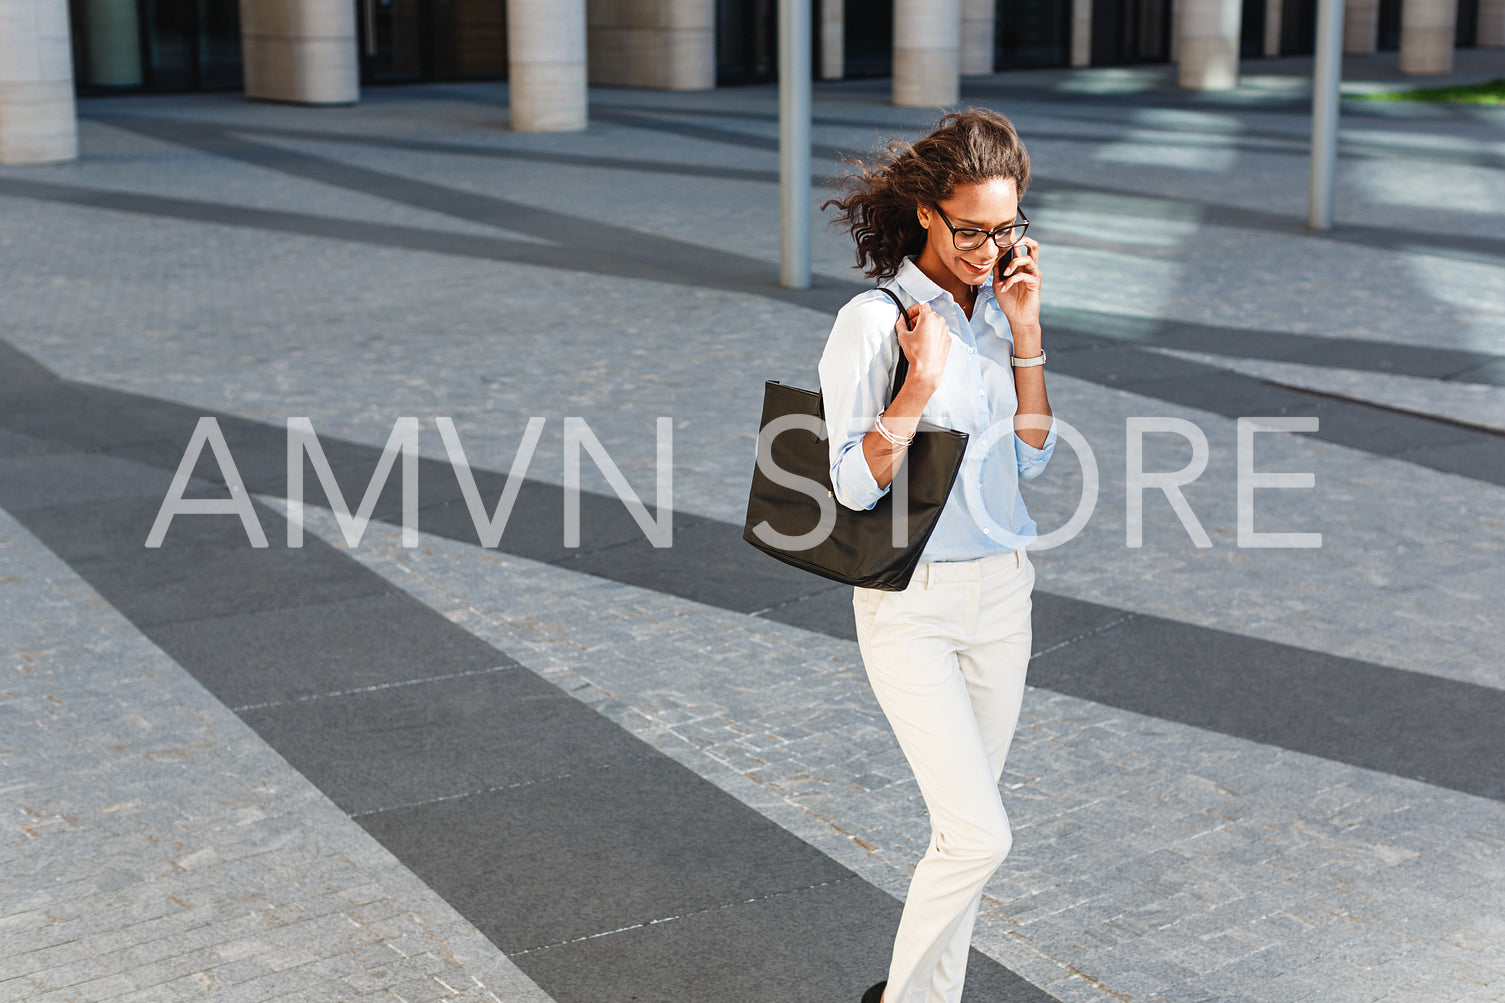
{"x":1026,"y":262}
{"x":908,"y":320}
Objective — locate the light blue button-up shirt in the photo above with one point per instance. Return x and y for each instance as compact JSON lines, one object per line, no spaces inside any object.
{"x":985,"y":513}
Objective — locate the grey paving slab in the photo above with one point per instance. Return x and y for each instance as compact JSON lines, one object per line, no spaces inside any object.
{"x":536,"y":526}
{"x":14,"y":444}
{"x":159,"y":850}
{"x":118,"y":527}
{"x":732,"y":575}
{"x":307,"y":649}
{"x":661,"y":847}
{"x":442,"y":739}
{"x":783,"y":924}
{"x":155,"y":587}
{"x":819,"y":608}
{"x":1478,"y":404}
{"x":1477,"y":455}
{"x":46,"y":479}
{"x":1404,"y":723}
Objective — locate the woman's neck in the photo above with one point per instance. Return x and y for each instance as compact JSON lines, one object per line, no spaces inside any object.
{"x":936,"y":271}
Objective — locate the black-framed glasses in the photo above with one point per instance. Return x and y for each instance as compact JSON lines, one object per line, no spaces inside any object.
{"x":966,"y":238}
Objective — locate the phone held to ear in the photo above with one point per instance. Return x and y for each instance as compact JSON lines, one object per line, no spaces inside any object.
{"x":1003,"y":263}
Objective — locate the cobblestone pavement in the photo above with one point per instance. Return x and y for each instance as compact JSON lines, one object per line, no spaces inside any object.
{"x":409,"y":256}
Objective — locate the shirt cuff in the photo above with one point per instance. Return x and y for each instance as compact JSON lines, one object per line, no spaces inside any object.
{"x":852,"y":479}
{"x":1032,"y":461}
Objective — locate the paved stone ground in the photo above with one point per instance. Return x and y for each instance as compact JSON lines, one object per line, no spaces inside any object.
{"x":1153,"y":860}
{"x":156,"y":849}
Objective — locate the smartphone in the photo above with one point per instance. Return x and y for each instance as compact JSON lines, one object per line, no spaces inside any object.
{"x":1003,"y":262}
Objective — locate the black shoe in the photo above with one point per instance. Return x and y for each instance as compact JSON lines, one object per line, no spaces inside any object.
{"x":875,"y":994}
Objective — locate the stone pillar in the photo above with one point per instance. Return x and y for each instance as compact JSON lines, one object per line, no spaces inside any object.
{"x":1361,"y":26}
{"x":1273,"y":11}
{"x":977,"y":36}
{"x":1491,"y":23}
{"x":303,"y":51}
{"x":37,"y":121}
{"x":667,"y":44}
{"x":1081,"y":33}
{"x":1207,"y":57}
{"x":832,"y":44}
{"x":927,"y":52}
{"x":546,"y":64}
{"x":113,"y":44}
{"x":1426,"y":35}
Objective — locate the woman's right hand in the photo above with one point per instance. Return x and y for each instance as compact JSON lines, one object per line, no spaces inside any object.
{"x":926,"y":346}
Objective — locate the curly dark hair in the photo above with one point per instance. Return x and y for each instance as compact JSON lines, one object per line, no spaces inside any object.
{"x":879,"y":206}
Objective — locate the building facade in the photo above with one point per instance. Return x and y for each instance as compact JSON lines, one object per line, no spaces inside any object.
{"x":178,"y":45}
{"x":324,"y":51}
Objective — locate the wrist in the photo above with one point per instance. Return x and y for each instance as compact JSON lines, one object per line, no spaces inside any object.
{"x":1025,"y":336}
{"x":922,"y":380}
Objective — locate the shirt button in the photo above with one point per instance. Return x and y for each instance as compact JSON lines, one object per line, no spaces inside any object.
{"x":980,"y":393}
{"x":971,"y":349}
{"x":987,"y":532}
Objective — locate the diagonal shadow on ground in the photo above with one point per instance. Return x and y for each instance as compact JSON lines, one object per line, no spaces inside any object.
{"x":1408,"y":724}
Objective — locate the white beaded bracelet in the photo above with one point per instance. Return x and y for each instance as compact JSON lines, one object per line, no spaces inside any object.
{"x":897,"y":440}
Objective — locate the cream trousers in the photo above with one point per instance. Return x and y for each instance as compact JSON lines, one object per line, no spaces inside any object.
{"x":946,"y":658}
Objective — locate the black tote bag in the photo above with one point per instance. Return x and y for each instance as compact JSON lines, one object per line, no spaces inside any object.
{"x":790,"y":505}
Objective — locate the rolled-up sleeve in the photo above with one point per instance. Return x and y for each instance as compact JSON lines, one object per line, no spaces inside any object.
{"x":1032,"y":461}
{"x":854,"y":374}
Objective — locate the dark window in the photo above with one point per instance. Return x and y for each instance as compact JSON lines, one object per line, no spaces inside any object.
{"x":1033,"y":33}
{"x":1298,"y":27}
{"x":1466,"y":35}
{"x":402,"y":41}
{"x":747,"y":41}
{"x":1130,"y":31}
{"x":868,"y":38}
{"x":1389,"y":26}
{"x":1251,"y":43}
{"x":169,"y":45}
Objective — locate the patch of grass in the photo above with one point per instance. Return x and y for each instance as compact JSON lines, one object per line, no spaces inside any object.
{"x":1489,"y":92}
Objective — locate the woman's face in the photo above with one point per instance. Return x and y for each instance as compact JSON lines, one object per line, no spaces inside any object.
{"x":985,"y":205}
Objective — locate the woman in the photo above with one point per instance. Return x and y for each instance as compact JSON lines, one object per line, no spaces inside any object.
{"x":946,"y":657}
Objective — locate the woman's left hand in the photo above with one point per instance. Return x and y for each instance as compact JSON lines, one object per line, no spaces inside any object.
{"x":1018,"y":292}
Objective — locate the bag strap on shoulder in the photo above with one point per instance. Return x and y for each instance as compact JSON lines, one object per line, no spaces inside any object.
{"x":901,"y":368}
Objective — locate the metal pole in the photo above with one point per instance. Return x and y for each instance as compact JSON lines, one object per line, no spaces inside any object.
{"x":1327,"y":73}
{"x":794,"y":143}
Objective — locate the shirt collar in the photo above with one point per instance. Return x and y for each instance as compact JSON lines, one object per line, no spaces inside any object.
{"x":917,"y":283}
{"x":922,"y":289}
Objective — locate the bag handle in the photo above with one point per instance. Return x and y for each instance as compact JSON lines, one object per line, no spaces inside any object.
{"x":901,"y":368}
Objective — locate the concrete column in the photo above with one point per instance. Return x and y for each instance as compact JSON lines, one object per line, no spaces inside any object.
{"x":1207,"y":57}
{"x":927,"y":52}
{"x":667,"y":44}
{"x":37,"y":121}
{"x":303,"y":51}
{"x":977,"y":36}
{"x":1361,"y":26}
{"x":1081,"y":33}
{"x":546,"y":64}
{"x":113,"y":43}
{"x":1426,"y":35}
{"x":833,"y":39}
{"x":1491,"y":23}
{"x":1273,"y":10}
